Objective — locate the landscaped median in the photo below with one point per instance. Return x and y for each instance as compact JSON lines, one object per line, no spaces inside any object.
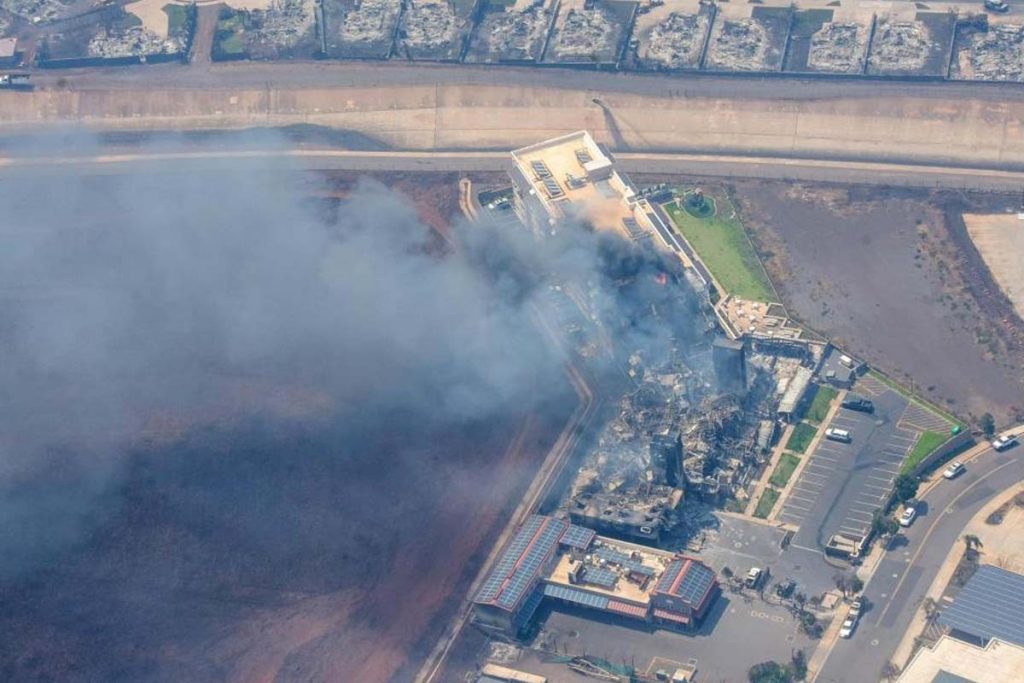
{"x":784,"y":470}
{"x":767,"y":503}
{"x":925,"y":446}
{"x":821,"y":404}
{"x":801,"y":438}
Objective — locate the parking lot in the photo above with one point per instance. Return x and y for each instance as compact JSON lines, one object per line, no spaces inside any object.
{"x":844,"y":483}
{"x":741,"y":631}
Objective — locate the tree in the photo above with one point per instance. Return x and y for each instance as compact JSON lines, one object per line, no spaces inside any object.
{"x":856,"y":585}
{"x":727,"y":573}
{"x":906,"y":487}
{"x":770,"y":672}
{"x":798,"y":665}
{"x":972,"y":542}
{"x":987,"y":424}
{"x":884,"y":525}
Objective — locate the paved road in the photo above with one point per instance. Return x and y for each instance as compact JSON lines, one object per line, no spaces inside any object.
{"x":704,"y":165}
{"x":328,"y":74}
{"x":904,"y":575}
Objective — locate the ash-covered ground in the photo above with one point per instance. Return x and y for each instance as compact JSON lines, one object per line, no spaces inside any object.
{"x":256,"y":427}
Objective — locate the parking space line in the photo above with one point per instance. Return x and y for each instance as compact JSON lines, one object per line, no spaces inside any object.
{"x":858,"y":531}
{"x":809,"y":501}
{"x":878,"y":487}
{"x":856,"y":516}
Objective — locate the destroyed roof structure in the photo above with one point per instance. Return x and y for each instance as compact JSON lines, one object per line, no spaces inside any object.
{"x":590,"y":32}
{"x":749,"y":43}
{"x":989,"y":52}
{"x":675,"y":42}
{"x":917,"y":47}
{"x":433,"y":30}
{"x":512,"y":33}
{"x":839,"y":48}
{"x":361,"y":28}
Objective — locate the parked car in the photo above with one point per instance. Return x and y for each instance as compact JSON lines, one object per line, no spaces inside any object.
{"x":856,"y":607}
{"x":754,"y":577}
{"x":954,"y":470}
{"x":1004,"y":442}
{"x":848,"y":627}
{"x":859,"y":403}
{"x":908,"y":516}
{"x":836,"y":434}
{"x":997,"y":6}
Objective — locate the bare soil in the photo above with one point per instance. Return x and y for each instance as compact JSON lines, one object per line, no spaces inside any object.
{"x":893,"y":277}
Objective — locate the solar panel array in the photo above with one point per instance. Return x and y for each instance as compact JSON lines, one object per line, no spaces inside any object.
{"x":578,"y":537}
{"x":583,"y":155}
{"x":633,"y":228}
{"x":577,"y":596}
{"x":541,"y":169}
{"x":669,"y":577}
{"x":623,"y":560}
{"x":517,"y":569}
{"x":553,"y":188}
{"x":695,"y":584}
{"x":991,"y":605}
{"x":600,"y":576}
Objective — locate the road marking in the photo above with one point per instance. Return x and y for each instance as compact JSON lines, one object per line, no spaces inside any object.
{"x":924,"y":541}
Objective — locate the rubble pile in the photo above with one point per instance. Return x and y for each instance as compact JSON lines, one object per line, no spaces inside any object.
{"x":284,"y":22}
{"x":997,"y":55}
{"x":900,"y":45}
{"x":677,"y":41}
{"x":740,"y":46}
{"x":371,"y":20}
{"x":515,"y":34}
{"x":585,"y":33}
{"x":839,"y":48}
{"x":36,"y":11}
{"x":131,"y":42}
{"x":429,"y":25}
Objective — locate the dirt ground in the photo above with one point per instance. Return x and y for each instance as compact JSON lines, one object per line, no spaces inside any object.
{"x":892,"y":276}
{"x":276,"y":552}
{"x":999,"y":239}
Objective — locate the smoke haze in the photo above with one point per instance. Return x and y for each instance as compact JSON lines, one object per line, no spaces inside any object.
{"x":215,"y":349}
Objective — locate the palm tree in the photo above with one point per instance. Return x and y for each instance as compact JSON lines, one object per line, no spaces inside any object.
{"x":972,"y":542}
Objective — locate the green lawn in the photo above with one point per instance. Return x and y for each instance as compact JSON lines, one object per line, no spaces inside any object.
{"x":801,"y":437}
{"x":784,"y":470}
{"x":722,"y":244}
{"x":767,"y":503}
{"x":177,"y":17}
{"x":926,"y":443}
{"x":821,"y":403}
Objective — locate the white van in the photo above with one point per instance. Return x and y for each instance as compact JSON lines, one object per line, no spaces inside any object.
{"x":837,"y":434}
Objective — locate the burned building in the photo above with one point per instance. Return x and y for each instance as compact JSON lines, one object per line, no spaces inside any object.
{"x":730,"y":361}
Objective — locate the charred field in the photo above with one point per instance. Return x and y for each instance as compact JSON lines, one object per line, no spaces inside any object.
{"x":286,"y":521}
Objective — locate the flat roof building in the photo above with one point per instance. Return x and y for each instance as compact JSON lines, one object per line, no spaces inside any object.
{"x":552,"y":559}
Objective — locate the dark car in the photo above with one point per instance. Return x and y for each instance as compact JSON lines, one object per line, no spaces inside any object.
{"x":859,"y":403}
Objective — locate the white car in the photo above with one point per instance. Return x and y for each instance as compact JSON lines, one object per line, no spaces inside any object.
{"x":1004,"y":442}
{"x":856,"y":607}
{"x":848,"y":627}
{"x":954,"y":470}
{"x":908,"y":516}
{"x":836,"y":434}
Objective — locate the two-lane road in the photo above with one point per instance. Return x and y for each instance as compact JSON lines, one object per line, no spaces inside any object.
{"x":906,"y":572}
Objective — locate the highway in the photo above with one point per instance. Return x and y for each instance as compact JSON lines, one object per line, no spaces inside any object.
{"x":705,"y":165}
{"x":902,"y":578}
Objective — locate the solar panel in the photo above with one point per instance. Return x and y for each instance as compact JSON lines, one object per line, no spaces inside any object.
{"x":576,"y":596}
{"x":583,"y":156}
{"x":612,"y":555}
{"x":991,"y":605}
{"x":695,"y":584}
{"x":541,"y":169}
{"x":578,"y":537}
{"x":553,"y":187}
{"x":599,"y":576}
{"x":669,"y":577}
{"x":519,"y":566}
